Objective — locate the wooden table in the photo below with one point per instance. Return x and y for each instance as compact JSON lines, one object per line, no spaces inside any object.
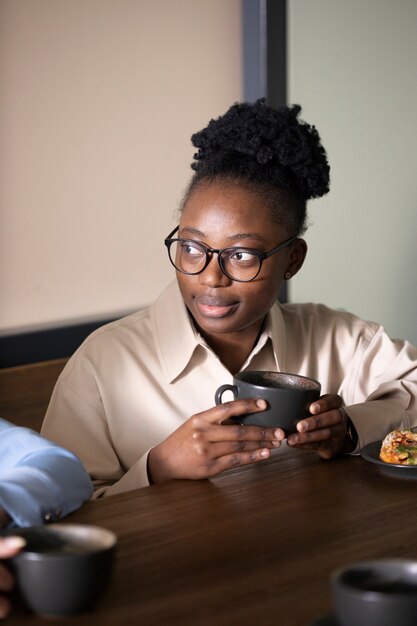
{"x":254,"y":546}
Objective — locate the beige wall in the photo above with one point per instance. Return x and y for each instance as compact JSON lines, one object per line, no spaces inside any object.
{"x":98,"y":101}
{"x":352,"y":65}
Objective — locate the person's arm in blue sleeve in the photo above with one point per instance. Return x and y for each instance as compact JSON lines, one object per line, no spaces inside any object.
{"x":39,"y":480}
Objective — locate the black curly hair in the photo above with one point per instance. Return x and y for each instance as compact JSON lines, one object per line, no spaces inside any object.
{"x":269,"y":151}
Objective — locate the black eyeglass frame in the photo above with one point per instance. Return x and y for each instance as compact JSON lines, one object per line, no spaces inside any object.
{"x":210,"y":251}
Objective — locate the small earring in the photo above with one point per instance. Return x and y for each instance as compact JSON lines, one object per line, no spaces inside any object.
{"x":287,"y":275}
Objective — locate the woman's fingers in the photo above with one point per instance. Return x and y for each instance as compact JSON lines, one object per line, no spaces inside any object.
{"x":240,"y":433}
{"x":215,"y":425}
{"x":228,"y":410}
{"x":324,"y":431}
{"x":222,"y":445}
{"x":331,"y":417}
{"x":228,"y":448}
{"x":209,"y":442}
{"x":236,"y":459}
{"x":325,"y":403}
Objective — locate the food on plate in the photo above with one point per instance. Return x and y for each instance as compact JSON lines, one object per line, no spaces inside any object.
{"x":399,"y":447}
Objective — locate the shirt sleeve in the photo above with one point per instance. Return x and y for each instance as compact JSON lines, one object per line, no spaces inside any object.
{"x":382,"y":391}
{"x":39,"y":481}
{"x":76,"y":421}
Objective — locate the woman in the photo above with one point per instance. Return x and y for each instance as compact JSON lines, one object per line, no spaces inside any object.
{"x":135,"y":402}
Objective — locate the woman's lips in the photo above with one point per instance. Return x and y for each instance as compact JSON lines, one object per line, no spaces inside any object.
{"x":214,"y":307}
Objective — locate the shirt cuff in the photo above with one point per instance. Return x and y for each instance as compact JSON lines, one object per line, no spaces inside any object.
{"x":22,"y":508}
{"x":135,"y":478}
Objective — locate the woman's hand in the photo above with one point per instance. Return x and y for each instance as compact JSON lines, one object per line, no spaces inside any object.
{"x":325,"y":431}
{"x":205,"y":446}
{"x":9,"y":547}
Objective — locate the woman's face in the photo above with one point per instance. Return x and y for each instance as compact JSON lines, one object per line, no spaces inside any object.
{"x":222,"y":215}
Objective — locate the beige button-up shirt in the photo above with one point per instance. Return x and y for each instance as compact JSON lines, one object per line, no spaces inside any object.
{"x":136,"y":380}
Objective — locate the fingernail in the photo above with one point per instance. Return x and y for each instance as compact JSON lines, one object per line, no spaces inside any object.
{"x":293,"y":439}
{"x":278,"y":434}
{"x":301,"y":427}
{"x":264,"y":454}
{"x":261,"y":404}
{"x":314,"y":408}
{"x":276,"y":444}
{"x":14,"y":542}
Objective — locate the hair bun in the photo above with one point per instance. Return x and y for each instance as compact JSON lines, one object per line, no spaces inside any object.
{"x":259,"y":143}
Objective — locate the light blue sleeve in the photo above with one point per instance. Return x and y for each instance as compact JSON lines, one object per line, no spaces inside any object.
{"x":39,"y":480}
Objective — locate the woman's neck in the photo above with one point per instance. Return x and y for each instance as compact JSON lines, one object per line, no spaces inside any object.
{"x":233,"y":349}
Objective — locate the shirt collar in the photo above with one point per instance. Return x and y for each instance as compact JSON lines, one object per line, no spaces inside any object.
{"x":177,"y":339}
{"x":274,"y":332}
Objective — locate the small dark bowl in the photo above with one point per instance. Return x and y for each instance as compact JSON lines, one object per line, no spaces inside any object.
{"x":376,"y":593}
{"x":64,"y":568}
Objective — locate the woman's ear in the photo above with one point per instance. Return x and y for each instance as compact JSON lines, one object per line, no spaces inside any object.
{"x":296,"y":258}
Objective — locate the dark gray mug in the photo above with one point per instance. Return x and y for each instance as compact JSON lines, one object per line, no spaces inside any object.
{"x":64,"y":568}
{"x":288,"y":396}
{"x":376,"y":593}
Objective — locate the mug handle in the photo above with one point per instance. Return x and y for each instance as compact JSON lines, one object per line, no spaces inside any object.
{"x":220,"y":391}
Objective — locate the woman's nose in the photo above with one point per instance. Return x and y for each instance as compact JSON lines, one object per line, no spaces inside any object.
{"x":213,"y":275}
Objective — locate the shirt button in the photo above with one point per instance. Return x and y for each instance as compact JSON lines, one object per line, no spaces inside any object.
{"x":52,"y":516}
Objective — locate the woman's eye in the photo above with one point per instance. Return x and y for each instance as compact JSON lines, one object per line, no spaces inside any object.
{"x":243,"y":256}
{"x":191,"y":249}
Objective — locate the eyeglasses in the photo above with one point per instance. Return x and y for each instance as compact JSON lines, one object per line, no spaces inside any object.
{"x":240,"y":264}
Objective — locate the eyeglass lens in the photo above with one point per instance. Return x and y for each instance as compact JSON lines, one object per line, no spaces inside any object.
{"x":237,"y":263}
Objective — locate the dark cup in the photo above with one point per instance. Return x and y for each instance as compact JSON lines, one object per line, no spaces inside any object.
{"x":376,"y":593}
{"x":64,"y":568}
{"x":288,"y":396}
